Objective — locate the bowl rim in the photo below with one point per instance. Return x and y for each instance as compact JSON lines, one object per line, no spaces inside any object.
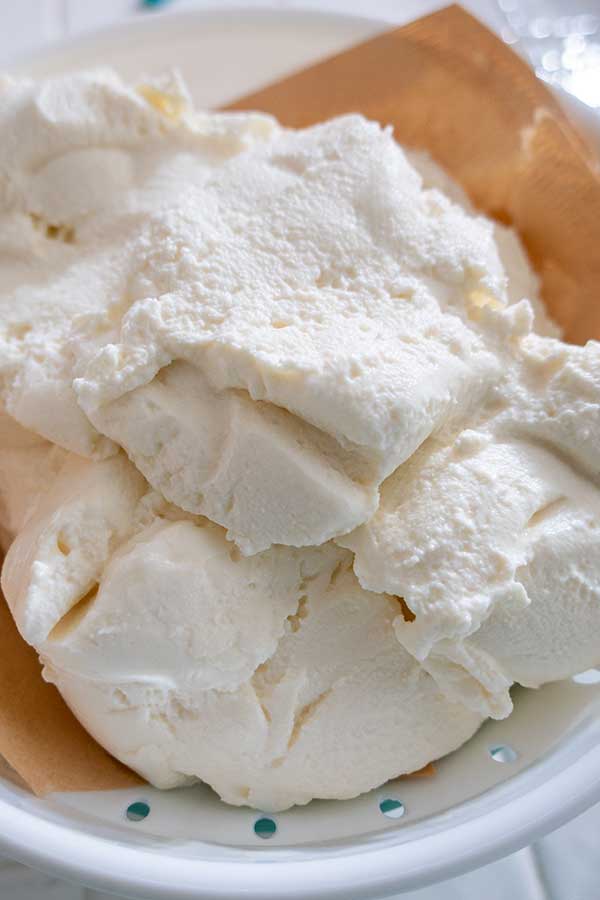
{"x":373,"y":871}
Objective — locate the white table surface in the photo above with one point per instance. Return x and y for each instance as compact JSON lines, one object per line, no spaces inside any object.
{"x":566,"y":864}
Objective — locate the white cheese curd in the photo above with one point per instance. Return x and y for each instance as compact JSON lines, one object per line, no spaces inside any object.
{"x":86,"y":163}
{"x":28,"y":465}
{"x":309,"y":271}
{"x":274,"y":678}
{"x":308,"y":480}
{"x":67,"y":538}
{"x":336,"y":708}
{"x":489,"y":534}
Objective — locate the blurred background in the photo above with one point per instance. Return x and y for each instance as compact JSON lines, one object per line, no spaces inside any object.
{"x":560,"y":39}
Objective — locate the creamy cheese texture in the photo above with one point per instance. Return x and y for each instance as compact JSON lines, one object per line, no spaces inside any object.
{"x":274,"y":678}
{"x":28,"y":466}
{"x":304,"y":295}
{"x":489,"y":534}
{"x":300,"y":477}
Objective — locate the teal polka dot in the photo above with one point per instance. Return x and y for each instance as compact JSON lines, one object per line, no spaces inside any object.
{"x":137,"y":811}
{"x":265,"y":828}
{"x":503,"y":753}
{"x":393,"y":809}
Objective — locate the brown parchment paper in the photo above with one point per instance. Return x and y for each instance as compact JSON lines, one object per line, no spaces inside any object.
{"x":449,"y":86}
{"x":39,"y":736}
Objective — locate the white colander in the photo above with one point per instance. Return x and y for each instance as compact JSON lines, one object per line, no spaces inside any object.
{"x":513,"y":782}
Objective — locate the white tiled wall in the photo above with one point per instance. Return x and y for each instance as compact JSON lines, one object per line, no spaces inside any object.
{"x":565,"y":865}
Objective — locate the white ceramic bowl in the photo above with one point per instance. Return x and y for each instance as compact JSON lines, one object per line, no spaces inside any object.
{"x":477,"y":808}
